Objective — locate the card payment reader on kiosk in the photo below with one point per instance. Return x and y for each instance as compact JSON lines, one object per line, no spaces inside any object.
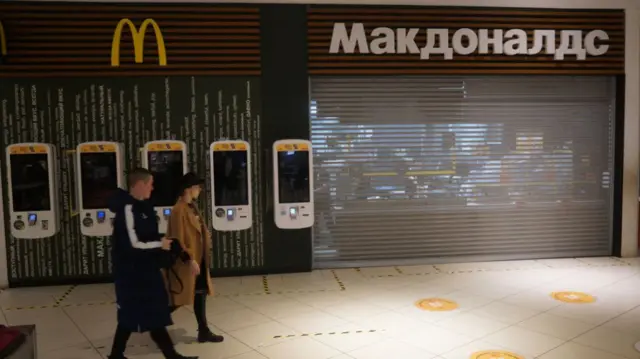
{"x":293,"y":184}
{"x":167,"y":160}
{"x":231,"y":185}
{"x":33,"y":190}
{"x":100,"y":173}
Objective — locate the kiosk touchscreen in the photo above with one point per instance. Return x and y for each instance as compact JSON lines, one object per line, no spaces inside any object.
{"x":33,"y":190}
{"x":231,"y":185}
{"x":293,"y":184}
{"x":167,"y":160}
{"x":100,"y":173}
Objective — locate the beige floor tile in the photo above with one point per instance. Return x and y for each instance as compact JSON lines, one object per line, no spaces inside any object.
{"x":524,"y":341}
{"x":353,"y":340}
{"x":391,"y":322}
{"x":263,"y":334}
{"x":502,"y":305}
{"x":537,"y":300}
{"x":594,"y":313}
{"x":506,"y":313}
{"x":555,"y":326}
{"x":391,"y":348}
{"x":435,"y":339}
{"x":354,"y":310}
{"x":228,"y":349}
{"x":284,"y":308}
{"x":239,"y":319}
{"x":628,"y":322}
{"x":313,"y":322}
{"x":610,"y":341}
{"x":72,"y":352}
{"x":299,"y":348}
{"x":250,"y":355}
{"x":472,"y":325}
{"x":465,"y":351}
{"x":576,"y":351}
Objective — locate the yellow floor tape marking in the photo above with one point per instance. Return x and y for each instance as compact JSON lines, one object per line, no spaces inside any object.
{"x":265,"y":284}
{"x":495,"y":354}
{"x":340,"y":284}
{"x":329,"y":333}
{"x":64,"y":296}
{"x":436,"y":305}
{"x":573,"y":297}
{"x":480,"y":270}
{"x":33,"y":307}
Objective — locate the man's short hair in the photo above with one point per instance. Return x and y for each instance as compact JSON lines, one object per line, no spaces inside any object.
{"x":137,"y":175}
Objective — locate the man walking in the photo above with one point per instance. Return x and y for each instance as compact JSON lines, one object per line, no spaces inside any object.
{"x":139,"y":253}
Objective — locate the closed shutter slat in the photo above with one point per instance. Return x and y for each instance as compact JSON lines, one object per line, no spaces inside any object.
{"x":428,"y":169}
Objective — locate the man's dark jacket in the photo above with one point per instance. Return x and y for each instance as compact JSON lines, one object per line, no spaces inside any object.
{"x":141,"y":295}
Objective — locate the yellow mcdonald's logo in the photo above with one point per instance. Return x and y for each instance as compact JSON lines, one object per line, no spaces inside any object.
{"x":138,"y":41}
{"x":3,"y":41}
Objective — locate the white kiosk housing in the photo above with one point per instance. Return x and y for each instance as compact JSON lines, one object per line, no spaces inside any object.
{"x":167,"y":160}
{"x":32,"y":176}
{"x":100,"y":173}
{"x":231,"y":185}
{"x":293,"y":184}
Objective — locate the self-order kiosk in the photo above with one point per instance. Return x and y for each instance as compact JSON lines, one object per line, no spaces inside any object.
{"x":32,"y":170}
{"x":231,"y":185}
{"x":100,"y":173}
{"x":167,"y":160}
{"x":293,"y":184}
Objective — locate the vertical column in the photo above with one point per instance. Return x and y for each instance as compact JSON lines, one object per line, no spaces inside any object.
{"x":631,"y":163}
{"x":4,"y":268}
{"x":285,"y":111}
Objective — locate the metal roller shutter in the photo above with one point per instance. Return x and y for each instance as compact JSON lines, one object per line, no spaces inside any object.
{"x":435,"y":169}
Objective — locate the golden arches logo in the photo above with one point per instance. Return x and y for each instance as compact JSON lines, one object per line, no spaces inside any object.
{"x":3,"y":41}
{"x":138,"y":41}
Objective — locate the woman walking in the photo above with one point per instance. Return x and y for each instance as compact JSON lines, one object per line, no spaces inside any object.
{"x":189,"y":279}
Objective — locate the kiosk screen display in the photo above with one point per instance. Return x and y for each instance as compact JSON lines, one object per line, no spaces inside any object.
{"x":293,"y":177}
{"x":230,"y":182}
{"x":167,"y":168}
{"x":30,"y":182}
{"x":99,"y":178}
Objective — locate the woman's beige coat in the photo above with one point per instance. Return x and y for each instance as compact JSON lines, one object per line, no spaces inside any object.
{"x":184,"y":226}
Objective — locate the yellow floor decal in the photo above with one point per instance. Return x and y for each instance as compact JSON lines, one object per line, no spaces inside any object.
{"x":573,"y":297}
{"x":437,"y":304}
{"x":495,"y":354}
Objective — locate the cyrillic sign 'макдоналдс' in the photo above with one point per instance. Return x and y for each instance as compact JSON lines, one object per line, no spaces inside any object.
{"x":466,"y":42}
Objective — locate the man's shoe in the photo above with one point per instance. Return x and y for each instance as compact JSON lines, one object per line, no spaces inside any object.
{"x":116,"y":357}
{"x":207,"y":336}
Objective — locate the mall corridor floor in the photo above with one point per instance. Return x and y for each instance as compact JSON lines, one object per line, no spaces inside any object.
{"x":548,"y":309}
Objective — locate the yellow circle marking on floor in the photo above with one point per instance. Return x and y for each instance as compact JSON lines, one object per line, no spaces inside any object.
{"x":573,"y":297}
{"x":495,"y":354}
{"x":437,"y":304}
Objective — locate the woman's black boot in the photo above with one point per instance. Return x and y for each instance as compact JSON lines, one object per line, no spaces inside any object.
{"x":205,"y":335}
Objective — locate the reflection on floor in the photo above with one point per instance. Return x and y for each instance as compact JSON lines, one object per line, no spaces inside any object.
{"x":448,"y":311}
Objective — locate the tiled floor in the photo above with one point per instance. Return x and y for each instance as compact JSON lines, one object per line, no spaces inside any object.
{"x":370,"y":313}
